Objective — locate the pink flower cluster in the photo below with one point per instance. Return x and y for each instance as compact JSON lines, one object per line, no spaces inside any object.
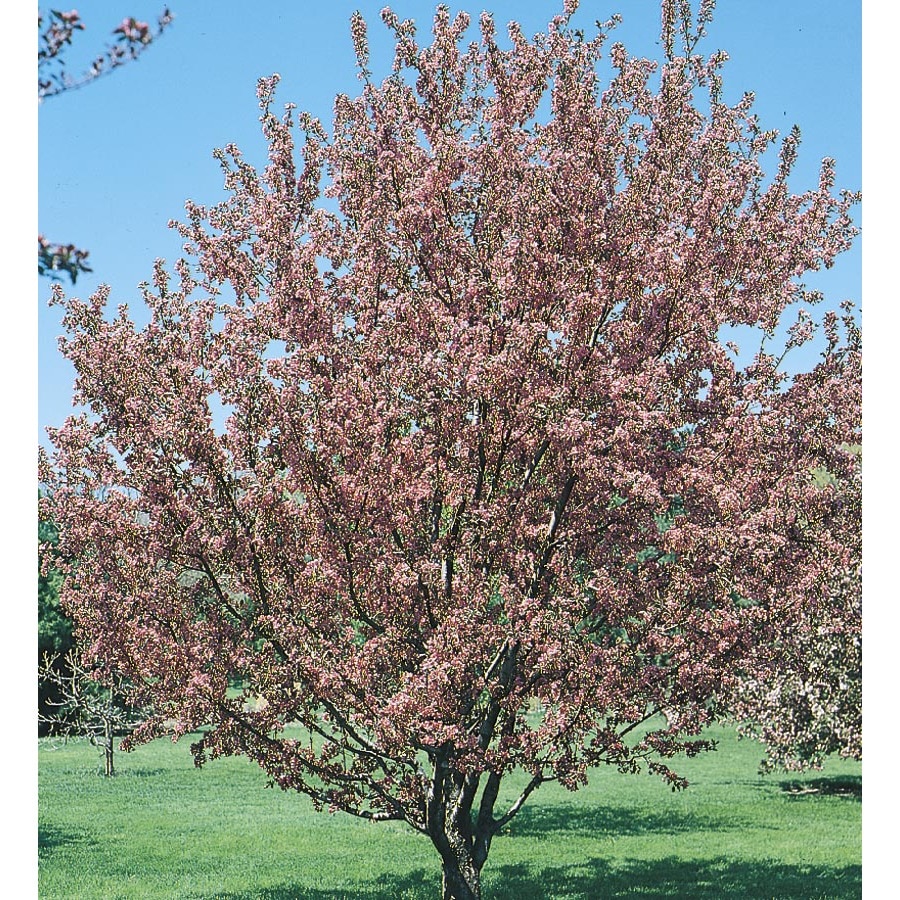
{"x":133,"y":31}
{"x":53,"y":76}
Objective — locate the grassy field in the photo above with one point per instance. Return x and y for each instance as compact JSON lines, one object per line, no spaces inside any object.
{"x":163,"y":829}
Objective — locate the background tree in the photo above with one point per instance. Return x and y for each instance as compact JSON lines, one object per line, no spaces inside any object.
{"x":82,"y":707}
{"x":70,"y":700}
{"x":54,"y":626}
{"x":491,"y":492}
{"x":55,"y":34}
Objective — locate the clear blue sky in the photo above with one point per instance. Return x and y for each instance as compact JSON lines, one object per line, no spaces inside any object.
{"x":118,"y":158}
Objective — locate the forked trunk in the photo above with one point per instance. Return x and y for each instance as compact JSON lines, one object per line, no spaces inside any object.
{"x":461,"y":877}
{"x":463,"y":840}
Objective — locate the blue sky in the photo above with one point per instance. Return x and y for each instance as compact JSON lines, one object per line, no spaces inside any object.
{"x":118,"y":158}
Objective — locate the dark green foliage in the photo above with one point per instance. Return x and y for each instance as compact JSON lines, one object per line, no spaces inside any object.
{"x":54,"y":626}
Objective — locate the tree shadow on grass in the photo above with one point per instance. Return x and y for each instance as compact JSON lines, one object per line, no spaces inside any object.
{"x":835,"y":786}
{"x":595,"y":879}
{"x":420,"y":885}
{"x":50,"y":838}
{"x":673,"y":878}
{"x":616,"y":821}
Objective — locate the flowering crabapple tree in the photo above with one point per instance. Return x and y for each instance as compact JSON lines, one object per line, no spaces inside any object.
{"x":491,"y":492}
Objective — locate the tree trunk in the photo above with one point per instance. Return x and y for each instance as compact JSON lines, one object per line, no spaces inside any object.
{"x":108,"y":749}
{"x":461,"y":876}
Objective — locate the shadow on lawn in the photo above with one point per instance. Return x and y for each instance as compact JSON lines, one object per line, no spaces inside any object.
{"x":834,"y":786}
{"x":611,"y":821}
{"x":666,"y":879}
{"x":674,"y":878}
{"x":671,"y":878}
{"x":50,"y":838}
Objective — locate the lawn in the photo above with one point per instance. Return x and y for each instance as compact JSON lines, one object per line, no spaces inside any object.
{"x":163,"y":829}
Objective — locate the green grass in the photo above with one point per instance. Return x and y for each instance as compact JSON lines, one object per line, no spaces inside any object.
{"x":163,"y":829}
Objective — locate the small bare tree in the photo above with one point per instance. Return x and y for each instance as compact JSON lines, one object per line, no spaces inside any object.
{"x":85,"y":707}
